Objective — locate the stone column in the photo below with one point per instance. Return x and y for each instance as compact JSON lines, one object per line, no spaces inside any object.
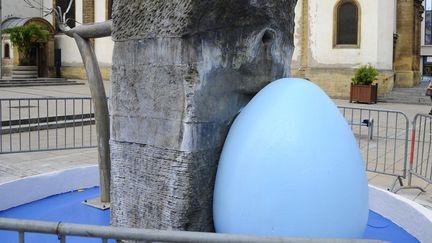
{"x":407,"y":50}
{"x":304,"y":57}
{"x":88,"y":11}
{"x":181,"y":72}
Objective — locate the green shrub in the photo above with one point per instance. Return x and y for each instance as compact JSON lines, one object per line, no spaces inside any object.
{"x":25,"y":37}
{"x":365,"y":75}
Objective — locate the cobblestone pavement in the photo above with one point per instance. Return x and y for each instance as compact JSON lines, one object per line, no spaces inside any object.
{"x":18,"y":165}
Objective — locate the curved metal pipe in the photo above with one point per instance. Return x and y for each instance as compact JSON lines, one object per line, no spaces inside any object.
{"x":97,"y":91}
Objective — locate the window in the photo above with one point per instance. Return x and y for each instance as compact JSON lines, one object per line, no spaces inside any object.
{"x":63,"y":4}
{"x":347,"y":24}
{"x":6,"y":51}
{"x":428,"y":23}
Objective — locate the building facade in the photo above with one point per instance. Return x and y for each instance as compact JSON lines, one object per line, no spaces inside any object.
{"x":426,"y":39}
{"x":64,"y":51}
{"x":334,"y":37}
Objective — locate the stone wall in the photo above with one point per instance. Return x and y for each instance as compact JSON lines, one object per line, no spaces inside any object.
{"x":182,"y":71}
{"x":407,"y":48}
{"x":78,"y":72}
{"x":336,"y":82}
{"x":88,"y":11}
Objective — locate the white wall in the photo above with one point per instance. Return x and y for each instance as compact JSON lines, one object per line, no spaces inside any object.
{"x":45,"y":185}
{"x":69,"y":51}
{"x":103,"y":46}
{"x":385,"y":32}
{"x":78,"y":11}
{"x":376,"y":36}
{"x":18,"y":8}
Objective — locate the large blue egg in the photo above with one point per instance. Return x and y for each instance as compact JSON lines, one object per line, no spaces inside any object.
{"x":290,"y":166}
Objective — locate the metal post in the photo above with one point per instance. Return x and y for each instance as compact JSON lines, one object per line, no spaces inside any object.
{"x":101,"y":113}
{"x":1,"y":42}
{"x":21,"y":237}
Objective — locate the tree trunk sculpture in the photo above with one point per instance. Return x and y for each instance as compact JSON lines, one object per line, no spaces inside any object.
{"x":181,"y":72}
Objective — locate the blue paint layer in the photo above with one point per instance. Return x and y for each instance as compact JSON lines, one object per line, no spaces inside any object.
{"x":380,"y":228}
{"x":69,"y":209}
{"x":66,"y":208}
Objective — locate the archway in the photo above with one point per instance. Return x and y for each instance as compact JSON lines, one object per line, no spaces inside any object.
{"x":42,"y":55}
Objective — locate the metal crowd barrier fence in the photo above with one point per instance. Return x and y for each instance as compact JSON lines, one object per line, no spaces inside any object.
{"x":420,"y":163}
{"x":382,"y":136}
{"x":105,"y":233}
{"x":40,"y":124}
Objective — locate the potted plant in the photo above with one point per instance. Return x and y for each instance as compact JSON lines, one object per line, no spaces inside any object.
{"x":25,"y":38}
{"x":362,"y":88}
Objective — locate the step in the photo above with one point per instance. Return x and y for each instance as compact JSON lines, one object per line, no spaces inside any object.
{"x":34,"y":79}
{"x":406,"y":101}
{"x":36,"y":84}
{"x":415,"y":95}
{"x":24,"y":76}
{"x":24,"y":68}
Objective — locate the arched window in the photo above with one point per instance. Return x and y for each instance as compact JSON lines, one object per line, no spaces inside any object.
{"x":6,"y":51}
{"x":347,"y":23}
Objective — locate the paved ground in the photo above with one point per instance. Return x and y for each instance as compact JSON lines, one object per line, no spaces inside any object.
{"x":18,"y":165}
{"x":394,"y":148}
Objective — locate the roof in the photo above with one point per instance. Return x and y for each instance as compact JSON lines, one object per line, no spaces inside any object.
{"x":15,"y":21}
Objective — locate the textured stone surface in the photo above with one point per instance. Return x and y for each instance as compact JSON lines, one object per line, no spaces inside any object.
{"x":181,"y":72}
{"x":407,"y":44}
{"x":186,"y":176}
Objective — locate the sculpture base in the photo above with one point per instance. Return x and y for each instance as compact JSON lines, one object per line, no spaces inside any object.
{"x":97,"y":203}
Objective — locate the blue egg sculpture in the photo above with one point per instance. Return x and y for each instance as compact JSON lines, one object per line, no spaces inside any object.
{"x":290,"y":166}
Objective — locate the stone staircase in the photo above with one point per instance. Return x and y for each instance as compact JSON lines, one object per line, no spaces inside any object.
{"x":415,"y":95}
{"x":36,"y":82}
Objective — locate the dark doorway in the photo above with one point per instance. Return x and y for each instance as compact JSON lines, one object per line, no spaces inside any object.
{"x":33,"y":56}
{"x":42,"y":62}
{"x":38,"y":57}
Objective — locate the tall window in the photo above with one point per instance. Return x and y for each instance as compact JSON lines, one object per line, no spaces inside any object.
{"x":63,"y":4}
{"x":347,"y":23}
{"x":428,"y":22}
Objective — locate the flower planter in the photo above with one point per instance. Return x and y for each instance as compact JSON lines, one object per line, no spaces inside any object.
{"x":363,"y":93}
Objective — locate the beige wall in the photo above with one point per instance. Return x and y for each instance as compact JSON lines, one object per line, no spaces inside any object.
{"x":78,"y":72}
{"x":331,"y":67}
{"x":336,"y":81}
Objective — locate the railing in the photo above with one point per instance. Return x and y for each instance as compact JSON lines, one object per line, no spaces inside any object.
{"x":105,"y":233}
{"x":420,"y":164}
{"x":38,"y":124}
{"x":382,"y":136}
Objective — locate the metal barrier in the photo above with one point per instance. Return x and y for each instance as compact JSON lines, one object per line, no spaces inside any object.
{"x":420,"y":163}
{"x":382,"y":136}
{"x":116,"y":233}
{"x":38,"y":124}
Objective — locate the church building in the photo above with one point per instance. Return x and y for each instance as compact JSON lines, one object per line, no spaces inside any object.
{"x":332,"y":38}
